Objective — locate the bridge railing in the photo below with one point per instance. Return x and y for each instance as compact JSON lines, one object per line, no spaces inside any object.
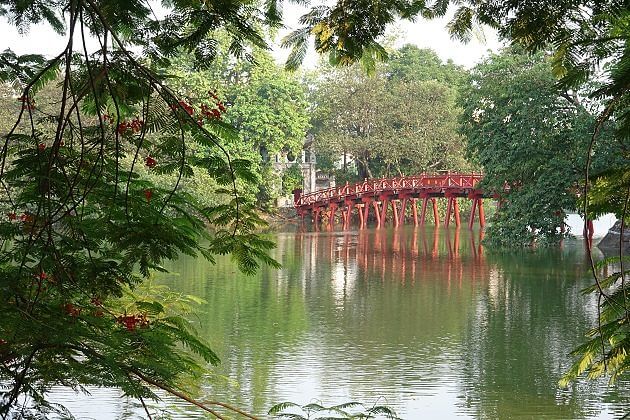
{"x":399,"y":184}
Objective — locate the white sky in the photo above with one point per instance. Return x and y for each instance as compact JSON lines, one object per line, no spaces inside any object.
{"x":426,"y":34}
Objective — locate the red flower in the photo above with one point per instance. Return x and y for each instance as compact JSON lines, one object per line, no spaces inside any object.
{"x":42,"y":275}
{"x":131,"y":321}
{"x":148,"y":194}
{"x":187,"y":107}
{"x":122,"y":128}
{"x":136,"y":125}
{"x":150,"y":162}
{"x":11,"y":216}
{"x":72,"y":310}
{"x":41,"y":147}
{"x":25,"y":217}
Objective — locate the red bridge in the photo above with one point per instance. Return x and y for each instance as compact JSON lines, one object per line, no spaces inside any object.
{"x":380,"y":194}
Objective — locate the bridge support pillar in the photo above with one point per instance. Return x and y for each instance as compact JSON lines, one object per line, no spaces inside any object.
{"x":384,"y":198}
{"x":456,"y":211}
{"x":331,"y":216}
{"x":414,"y":210}
{"x":436,"y":216}
{"x":347,"y":217}
{"x":377,"y":213}
{"x":366,"y":211}
{"x":452,"y":209}
{"x":423,"y":215}
{"x":449,"y":206}
{"x":384,"y":206}
{"x":403,"y":209}
{"x":473,"y":210}
{"x":360,"y":207}
{"x":395,"y":211}
{"x":477,"y":206}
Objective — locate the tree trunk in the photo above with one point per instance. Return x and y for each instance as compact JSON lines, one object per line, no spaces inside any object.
{"x":363,"y":169}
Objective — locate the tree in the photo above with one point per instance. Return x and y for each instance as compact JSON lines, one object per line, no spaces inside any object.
{"x":292,"y":179}
{"x":267,"y":106}
{"x":411,"y":63}
{"x":529,"y":137}
{"x":84,"y":227}
{"x":390,"y":123}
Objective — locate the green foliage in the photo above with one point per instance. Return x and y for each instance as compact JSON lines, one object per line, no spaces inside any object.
{"x":402,"y":120}
{"x":410,"y":63}
{"x":530,"y":138}
{"x":314,"y":411}
{"x":292,"y":179}
{"x":607,"y":350}
{"x":98,"y":191}
{"x":264,"y":103}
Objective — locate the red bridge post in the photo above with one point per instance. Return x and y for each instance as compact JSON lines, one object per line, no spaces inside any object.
{"x":377,"y":213}
{"x":436,"y":215}
{"x":452,"y":209}
{"x":359,"y":207}
{"x":384,"y":205}
{"x":331,"y":216}
{"x":315,"y":213}
{"x":404,"y":198}
{"x":449,"y":206}
{"x":456,"y":209}
{"x":423,"y":216}
{"x":414,"y":210}
{"x":473,"y":210}
{"x":482,"y":216}
{"x":366,"y":210}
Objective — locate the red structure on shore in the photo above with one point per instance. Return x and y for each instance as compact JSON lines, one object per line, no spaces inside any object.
{"x":380,"y":194}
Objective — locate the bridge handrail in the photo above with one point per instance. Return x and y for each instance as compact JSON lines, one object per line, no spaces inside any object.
{"x":377,"y":185}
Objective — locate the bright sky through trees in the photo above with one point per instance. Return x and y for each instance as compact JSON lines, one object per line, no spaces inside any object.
{"x":423,"y":33}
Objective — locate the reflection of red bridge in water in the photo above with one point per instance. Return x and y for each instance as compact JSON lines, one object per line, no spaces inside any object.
{"x":380,"y":194}
{"x":405,"y":255}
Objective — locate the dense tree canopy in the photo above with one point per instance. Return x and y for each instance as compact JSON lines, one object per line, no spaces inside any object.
{"x":402,"y":119}
{"x":267,"y":106}
{"x":84,"y":221}
{"x":529,"y":137}
{"x":87,"y":222}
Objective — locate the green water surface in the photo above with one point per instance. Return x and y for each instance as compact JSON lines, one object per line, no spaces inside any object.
{"x":423,"y":320}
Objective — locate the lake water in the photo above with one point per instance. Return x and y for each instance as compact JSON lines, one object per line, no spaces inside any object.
{"x":423,"y":320}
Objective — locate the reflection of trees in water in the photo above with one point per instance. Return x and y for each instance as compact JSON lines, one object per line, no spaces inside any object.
{"x":251,"y":321}
{"x":532,"y":313}
{"x":398,"y":313}
{"x":401,"y":299}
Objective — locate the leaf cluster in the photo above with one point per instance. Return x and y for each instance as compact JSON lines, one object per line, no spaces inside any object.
{"x":93,"y":201}
{"x":314,"y":411}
